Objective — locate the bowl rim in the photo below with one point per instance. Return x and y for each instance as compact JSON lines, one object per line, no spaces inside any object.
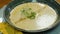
{"x":53,"y":25}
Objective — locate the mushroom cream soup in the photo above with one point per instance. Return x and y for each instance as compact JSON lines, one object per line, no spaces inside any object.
{"x":33,"y":16}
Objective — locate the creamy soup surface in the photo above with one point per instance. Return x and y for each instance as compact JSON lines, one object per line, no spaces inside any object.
{"x":33,"y":16}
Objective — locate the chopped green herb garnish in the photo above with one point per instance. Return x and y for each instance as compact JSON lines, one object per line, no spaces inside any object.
{"x":29,"y":13}
{"x":32,"y":16}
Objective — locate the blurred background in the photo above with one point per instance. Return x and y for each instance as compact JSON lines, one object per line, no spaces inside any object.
{"x":4,"y":2}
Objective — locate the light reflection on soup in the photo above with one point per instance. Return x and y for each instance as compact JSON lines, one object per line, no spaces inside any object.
{"x":33,"y":16}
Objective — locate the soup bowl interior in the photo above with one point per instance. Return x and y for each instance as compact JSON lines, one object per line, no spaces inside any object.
{"x":15,"y":3}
